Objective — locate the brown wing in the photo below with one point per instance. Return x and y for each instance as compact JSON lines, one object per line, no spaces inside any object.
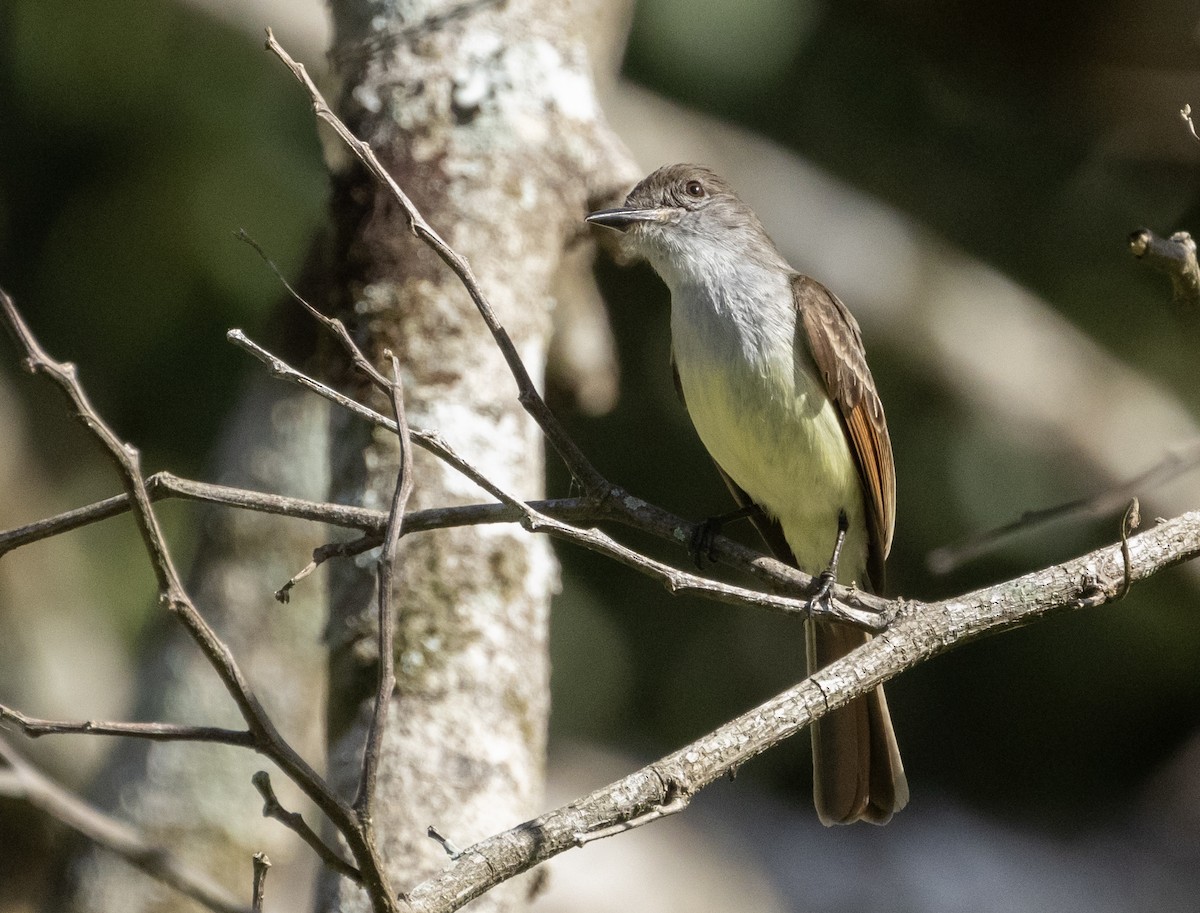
{"x":836,"y":345}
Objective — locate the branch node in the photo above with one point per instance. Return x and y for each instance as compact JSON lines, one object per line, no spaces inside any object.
{"x":447,"y":844}
{"x":1091,"y":593}
{"x":261,"y":864}
{"x":294,"y":821}
{"x":1131,"y":521}
{"x":676,"y":797}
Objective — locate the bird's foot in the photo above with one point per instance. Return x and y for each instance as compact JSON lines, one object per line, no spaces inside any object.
{"x":823,"y":583}
{"x":705,"y":532}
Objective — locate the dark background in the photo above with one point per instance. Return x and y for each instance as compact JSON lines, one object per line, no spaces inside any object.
{"x":137,"y":135}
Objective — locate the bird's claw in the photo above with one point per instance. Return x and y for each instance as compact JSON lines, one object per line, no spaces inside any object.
{"x":822,"y":595}
{"x":704,"y":536}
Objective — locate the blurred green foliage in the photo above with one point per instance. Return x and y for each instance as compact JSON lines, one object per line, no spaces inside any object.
{"x":136,"y":137}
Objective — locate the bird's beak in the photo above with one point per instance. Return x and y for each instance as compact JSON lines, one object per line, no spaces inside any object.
{"x":622,"y":218}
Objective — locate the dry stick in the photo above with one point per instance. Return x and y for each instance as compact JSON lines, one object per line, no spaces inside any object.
{"x":579,"y":465}
{"x":920,"y":632}
{"x":867,"y":612}
{"x":173,"y":596}
{"x":258,"y":895}
{"x":1178,"y":461}
{"x":21,"y":780}
{"x":387,"y":619}
{"x":158,"y":732}
{"x":332,"y":324}
{"x":634,"y":513}
{"x":164,"y":485}
{"x":323,"y":553}
{"x":364,"y":801}
{"x":294,"y":821}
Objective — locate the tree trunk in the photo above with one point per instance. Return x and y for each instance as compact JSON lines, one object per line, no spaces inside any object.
{"x":488,"y":121}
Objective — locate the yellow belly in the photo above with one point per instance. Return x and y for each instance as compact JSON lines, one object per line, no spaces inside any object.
{"x":779,"y":437}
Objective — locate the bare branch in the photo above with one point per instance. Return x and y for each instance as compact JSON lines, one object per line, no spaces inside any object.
{"x":444,"y":842}
{"x":920,"y":632}
{"x":294,"y":821}
{"x":1177,"y":462}
{"x":332,"y":324}
{"x":1175,"y":256}
{"x":164,"y":485}
{"x":172,"y":594}
{"x":579,"y":465}
{"x":157,"y":732}
{"x":387,"y":619}
{"x":258,"y":895}
{"x":27,"y":783}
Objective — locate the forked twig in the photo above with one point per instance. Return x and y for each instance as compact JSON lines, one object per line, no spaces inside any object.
{"x":174,"y":597}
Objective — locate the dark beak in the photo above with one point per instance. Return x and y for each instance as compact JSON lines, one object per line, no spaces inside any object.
{"x":621,"y":218}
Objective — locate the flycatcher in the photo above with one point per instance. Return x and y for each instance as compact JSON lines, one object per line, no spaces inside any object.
{"x":771,"y":368}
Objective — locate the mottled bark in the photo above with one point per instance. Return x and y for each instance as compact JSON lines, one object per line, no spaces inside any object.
{"x":489,"y":122}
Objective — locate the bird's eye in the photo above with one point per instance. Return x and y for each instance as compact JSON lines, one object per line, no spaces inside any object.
{"x":694,"y":189}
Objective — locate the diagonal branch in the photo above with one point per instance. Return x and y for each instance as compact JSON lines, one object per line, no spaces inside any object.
{"x":579,"y":465}
{"x":920,"y":632}
{"x":294,"y":821}
{"x":852,"y":607}
{"x":174,"y":597}
{"x":20,"y":779}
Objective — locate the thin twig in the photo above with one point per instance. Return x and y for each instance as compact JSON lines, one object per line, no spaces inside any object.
{"x":332,"y":324}
{"x":578,"y":464}
{"x":24,"y":781}
{"x":323,"y":553}
{"x":164,"y":485}
{"x":261,"y":865}
{"x":624,"y":509}
{"x":1178,"y":461}
{"x":294,"y":821}
{"x":158,"y":732}
{"x":387,"y":620}
{"x":445,"y":842}
{"x":174,"y":597}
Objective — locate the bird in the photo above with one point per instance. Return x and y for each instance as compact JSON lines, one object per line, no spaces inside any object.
{"x":772,"y":371}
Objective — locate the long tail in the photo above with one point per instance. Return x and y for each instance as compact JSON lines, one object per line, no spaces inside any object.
{"x":857,"y":772}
